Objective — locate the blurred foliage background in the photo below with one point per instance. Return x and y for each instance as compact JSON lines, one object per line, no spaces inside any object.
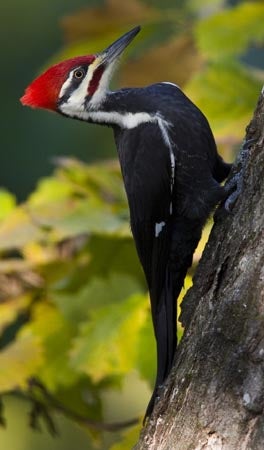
{"x":77,"y":350}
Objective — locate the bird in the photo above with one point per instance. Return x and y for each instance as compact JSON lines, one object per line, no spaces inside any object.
{"x":170,"y":165}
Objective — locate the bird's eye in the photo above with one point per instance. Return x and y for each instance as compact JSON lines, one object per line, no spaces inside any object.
{"x":78,"y":74}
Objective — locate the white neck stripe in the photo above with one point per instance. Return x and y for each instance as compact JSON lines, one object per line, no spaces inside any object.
{"x":128,"y":121}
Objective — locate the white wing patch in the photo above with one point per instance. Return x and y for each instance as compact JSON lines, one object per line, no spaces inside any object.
{"x":158,"y":228}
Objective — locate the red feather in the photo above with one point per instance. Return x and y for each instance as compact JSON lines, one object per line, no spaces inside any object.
{"x":43,"y":92}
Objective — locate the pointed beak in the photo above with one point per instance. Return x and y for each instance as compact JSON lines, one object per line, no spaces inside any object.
{"x":112,"y":52}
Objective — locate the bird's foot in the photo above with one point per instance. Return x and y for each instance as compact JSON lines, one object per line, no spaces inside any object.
{"x":233,"y":189}
{"x":234,"y":185}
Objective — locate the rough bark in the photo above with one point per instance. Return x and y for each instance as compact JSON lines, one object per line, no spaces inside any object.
{"x":214,"y":397}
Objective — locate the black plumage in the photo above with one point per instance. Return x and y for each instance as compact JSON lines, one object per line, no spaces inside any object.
{"x":146,"y":168}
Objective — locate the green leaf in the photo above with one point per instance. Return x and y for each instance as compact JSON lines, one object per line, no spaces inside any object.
{"x":2,"y":413}
{"x":231,"y":31}
{"x":55,"y":334}
{"x":146,"y":356}
{"x":49,"y":190}
{"x":87,"y":217}
{"x":19,"y":361}
{"x":10,"y":309}
{"x":107,"y":343}
{"x":115,"y":253}
{"x":227,"y":94}
{"x":82,"y":398}
{"x":18,"y":229}
{"x":96,"y":293}
{"x":7,"y":203}
{"x":129,"y":440}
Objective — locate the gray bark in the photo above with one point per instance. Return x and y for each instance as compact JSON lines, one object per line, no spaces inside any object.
{"x":214,"y":397}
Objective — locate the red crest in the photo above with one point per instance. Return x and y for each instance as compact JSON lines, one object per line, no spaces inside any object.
{"x":43,"y":92}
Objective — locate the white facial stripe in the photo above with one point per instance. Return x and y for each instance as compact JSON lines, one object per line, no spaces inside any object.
{"x":101,"y":90}
{"x":78,"y":96}
{"x":66,"y":84}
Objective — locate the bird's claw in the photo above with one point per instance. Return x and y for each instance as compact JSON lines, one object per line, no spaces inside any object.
{"x":233,"y":188}
{"x":234,"y":185}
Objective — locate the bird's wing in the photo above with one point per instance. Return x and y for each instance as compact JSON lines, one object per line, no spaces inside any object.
{"x":146,"y":168}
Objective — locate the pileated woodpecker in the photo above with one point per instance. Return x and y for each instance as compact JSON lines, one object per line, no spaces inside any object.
{"x":170,"y":166}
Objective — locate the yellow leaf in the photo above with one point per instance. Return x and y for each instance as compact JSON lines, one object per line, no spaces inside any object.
{"x":18,"y":229}
{"x":55,"y":335}
{"x":19,"y":361}
{"x":10,"y":309}
{"x":107,"y":344}
{"x":130,"y":438}
{"x":7,"y":203}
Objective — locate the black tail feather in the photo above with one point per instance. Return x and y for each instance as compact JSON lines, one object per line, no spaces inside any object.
{"x":166,"y":337}
{"x":185,"y":237}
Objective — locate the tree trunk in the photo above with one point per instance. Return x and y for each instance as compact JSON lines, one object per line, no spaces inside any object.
{"x":214,"y":397}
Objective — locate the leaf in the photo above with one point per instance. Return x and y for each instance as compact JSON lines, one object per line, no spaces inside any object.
{"x":231,"y":31}
{"x":226,"y":94}
{"x":7,"y":203}
{"x":107,"y":343}
{"x":55,"y":334}
{"x":19,"y":361}
{"x":18,"y":229}
{"x":10,"y":309}
{"x":87,"y":217}
{"x":129,"y":440}
{"x":96,"y":293}
{"x":69,"y":217}
{"x":2,"y":415}
{"x":115,"y":253}
{"x":146,"y":355}
{"x":49,"y":190}
{"x":101,"y":181}
{"x":82,"y":398}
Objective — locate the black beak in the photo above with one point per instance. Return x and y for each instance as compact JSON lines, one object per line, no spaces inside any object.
{"x":115,"y":49}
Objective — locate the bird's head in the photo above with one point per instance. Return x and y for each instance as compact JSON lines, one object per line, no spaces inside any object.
{"x":78,"y":84}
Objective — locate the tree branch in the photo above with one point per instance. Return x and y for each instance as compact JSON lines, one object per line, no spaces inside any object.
{"x":44,"y":404}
